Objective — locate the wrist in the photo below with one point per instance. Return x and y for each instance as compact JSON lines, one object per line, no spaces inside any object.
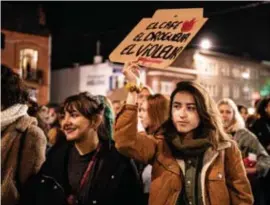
{"x":133,"y":87}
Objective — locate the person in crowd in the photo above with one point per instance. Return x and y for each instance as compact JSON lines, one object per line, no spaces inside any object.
{"x":261,"y":127}
{"x":144,"y":93}
{"x":243,"y":111}
{"x":251,"y":119}
{"x":55,"y":134}
{"x":23,"y":144}
{"x":256,"y":159}
{"x":153,"y":112}
{"x":42,"y":116}
{"x":116,"y":106}
{"x":193,"y":160}
{"x":87,"y":169}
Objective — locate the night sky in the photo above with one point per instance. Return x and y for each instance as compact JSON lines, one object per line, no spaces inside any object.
{"x":76,"y":26}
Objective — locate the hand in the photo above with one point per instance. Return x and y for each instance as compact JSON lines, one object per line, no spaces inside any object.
{"x":252,"y":170}
{"x":131,"y":71}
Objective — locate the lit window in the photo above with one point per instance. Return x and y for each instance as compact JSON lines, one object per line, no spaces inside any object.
{"x":28,"y":61}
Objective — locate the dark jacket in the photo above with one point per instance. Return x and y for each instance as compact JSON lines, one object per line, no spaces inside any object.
{"x":261,"y":128}
{"x":114,"y":180}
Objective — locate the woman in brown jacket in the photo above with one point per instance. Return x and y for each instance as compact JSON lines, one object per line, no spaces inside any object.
{"x":193,"y":159}
{"x":23,"y":144}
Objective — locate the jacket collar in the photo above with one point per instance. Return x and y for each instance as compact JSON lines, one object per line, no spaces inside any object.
{"x":224,"y":145}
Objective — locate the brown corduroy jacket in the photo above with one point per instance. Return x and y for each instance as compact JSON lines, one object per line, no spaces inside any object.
{"x":223,"y":176}
{"x":32,"y":157}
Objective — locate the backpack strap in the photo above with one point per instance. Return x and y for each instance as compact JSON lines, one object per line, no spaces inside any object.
{"x":19,"y":159}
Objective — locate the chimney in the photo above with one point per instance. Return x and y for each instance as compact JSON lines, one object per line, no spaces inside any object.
{"x":98,"y":58}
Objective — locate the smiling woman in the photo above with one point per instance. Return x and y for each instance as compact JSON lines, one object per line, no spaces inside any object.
{"x":87,"y":168}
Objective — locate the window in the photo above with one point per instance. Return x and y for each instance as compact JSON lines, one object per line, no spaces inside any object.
{"x":206,"y":67}
{"x":155,"y":85}
{"x":236,"y":72}
{"x":166,"y":88}
{"x":226,"y":91}
{"x":28,"y":62}
{"x":225,"y":69}
{"x":236,"y":92}
{"x":211,"y":88}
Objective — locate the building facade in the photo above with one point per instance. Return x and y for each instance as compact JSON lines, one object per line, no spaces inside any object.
{"x":238,"y":78}
{"x":222,"y":76}
{"x":95,"y":78}
{"x":26,"y":48}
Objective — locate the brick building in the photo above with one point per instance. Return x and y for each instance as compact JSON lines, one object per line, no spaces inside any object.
{"x":26,"y":47}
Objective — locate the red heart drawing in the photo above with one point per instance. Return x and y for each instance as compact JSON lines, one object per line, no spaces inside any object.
{"x":188,"y":25}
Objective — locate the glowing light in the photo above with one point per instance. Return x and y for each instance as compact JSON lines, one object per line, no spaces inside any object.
{"x":206,"y":44}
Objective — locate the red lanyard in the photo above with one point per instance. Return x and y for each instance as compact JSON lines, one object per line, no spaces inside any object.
{"x":71,"y":198}
{"x":90,"y":166}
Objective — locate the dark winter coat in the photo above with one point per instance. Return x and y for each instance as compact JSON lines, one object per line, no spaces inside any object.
{"x":261,"y":128}
{"x":114,"y":180}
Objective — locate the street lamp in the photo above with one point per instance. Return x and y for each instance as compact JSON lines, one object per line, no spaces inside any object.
{"x":205,"y":44}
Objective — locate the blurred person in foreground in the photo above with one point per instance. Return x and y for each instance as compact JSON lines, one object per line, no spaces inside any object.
{"x":23,"y":143}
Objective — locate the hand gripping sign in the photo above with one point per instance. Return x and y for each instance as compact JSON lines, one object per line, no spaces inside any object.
{"x":156,"y":42}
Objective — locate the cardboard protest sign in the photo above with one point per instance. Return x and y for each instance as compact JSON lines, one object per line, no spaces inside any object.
{"x":157,"y":42}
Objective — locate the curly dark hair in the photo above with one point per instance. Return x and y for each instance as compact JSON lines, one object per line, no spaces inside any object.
{"x":13,"y":90}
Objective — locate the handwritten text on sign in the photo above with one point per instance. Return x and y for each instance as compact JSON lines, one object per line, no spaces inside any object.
{"x":157,"y":43}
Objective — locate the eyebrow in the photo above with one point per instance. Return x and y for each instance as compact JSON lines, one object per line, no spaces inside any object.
{"x":179,"y":103}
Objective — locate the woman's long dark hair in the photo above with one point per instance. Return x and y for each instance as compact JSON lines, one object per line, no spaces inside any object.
{"x":261,"y":107}
{"x":210,"y":121}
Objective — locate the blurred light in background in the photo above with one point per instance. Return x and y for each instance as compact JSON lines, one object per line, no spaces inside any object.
{"x":206,"y":44}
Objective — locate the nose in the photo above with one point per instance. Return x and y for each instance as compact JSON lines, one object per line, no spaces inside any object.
{"x":183,"y":112}
{"x":65,"y":121}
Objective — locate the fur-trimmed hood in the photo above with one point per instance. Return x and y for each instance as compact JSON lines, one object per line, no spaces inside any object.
{"x":24,"y":122}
